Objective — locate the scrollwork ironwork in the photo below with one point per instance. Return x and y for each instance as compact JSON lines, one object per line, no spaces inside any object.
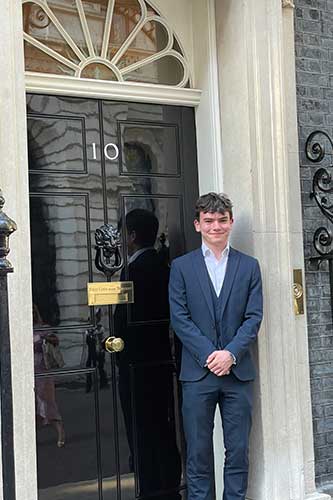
{"x":108,"y":257}
{"x":323,"y":241}
{"x":315,"y":151}
{"x":322,"y":189}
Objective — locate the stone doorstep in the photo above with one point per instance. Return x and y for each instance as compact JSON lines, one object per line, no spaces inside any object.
{"x":319,"y":496}
{"x":86,"y":490}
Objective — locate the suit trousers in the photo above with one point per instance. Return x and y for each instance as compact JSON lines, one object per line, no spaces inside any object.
{"x":200,"y":399}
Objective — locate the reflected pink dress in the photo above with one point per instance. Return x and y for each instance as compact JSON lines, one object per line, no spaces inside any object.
{"x":46,"y":406}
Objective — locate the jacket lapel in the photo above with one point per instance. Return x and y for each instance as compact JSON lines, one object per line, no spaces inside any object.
{"x":202,"y":274}
{"x":232,"y":266}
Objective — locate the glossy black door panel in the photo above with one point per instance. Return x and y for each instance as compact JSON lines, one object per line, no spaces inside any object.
{"x":75,"y":469}
{"x":44,"y":150}
{"x":149,"y":149}
{"x":133,"y":166}
{"x":61,"y":262}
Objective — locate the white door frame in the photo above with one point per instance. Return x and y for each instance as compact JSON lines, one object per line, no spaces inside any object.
{"x":115,"y":91}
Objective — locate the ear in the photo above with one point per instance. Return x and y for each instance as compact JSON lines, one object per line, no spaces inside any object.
{"x":197,"y":225}
{"x":132,"y":236}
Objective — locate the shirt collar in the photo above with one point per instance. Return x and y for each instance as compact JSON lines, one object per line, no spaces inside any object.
{"x":138,"y":253}
{"x":206,"y":251}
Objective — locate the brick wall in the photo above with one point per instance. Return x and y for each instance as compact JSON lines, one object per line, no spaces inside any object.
{"x":314,"y":73}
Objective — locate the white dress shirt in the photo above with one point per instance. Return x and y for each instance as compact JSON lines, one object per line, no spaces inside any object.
{"x":216,"y":268}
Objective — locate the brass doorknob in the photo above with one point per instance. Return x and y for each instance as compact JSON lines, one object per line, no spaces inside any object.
{"x":114,"y":344}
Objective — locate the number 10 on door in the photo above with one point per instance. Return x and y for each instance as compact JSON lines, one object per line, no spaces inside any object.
{"x":111,"y":151}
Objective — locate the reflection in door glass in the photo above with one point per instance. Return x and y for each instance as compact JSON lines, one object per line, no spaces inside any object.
{"x":60,"y":255}
{"x":69,"y":471}
{"x":149,"y":149}
{"x":44,"y":151}
{"x":146,"y":381}
{"x":117,"y":414}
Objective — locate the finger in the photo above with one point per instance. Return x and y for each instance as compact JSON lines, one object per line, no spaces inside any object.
{"x":220,"y":364}
{"x":214,"y":365}
{"x":211,"y":357}
{"x":218,"y":371}
{"x":222,"y":372}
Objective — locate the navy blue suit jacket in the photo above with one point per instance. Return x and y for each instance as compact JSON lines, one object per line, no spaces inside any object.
{"x":193,"y":319}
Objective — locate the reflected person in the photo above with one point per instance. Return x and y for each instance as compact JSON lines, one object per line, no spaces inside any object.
{"x":146,"y":371}
{"x":47,"y":411}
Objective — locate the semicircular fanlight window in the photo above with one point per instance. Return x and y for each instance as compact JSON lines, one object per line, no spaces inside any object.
{"x":123,"y":40}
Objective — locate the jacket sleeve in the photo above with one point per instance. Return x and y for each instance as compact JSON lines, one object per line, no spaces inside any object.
{"x":247,"y":332}
{"x":199,"y":346}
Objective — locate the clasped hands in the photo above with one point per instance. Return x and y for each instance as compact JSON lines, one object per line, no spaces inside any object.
{"x":220,"y":362}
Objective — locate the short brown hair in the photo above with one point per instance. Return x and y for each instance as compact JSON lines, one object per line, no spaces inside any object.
{"x":212,"y":203}
{"x":145,"y":224}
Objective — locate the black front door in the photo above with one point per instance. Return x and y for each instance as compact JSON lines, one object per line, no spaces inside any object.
{"x":108,"y":425}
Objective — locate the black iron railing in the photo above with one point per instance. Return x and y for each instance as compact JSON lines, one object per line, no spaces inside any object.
{"x":322,"y":192}
{"x":7,"y":227}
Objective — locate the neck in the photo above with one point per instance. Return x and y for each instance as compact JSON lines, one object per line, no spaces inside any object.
{"x":134,"y":248}
{"x":217,"y":249}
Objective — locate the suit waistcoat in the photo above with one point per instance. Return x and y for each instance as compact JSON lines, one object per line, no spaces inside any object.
{"x":217,"y":306}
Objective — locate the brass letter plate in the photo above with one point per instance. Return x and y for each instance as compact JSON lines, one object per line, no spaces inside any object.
{"x":298,"y":292}
{"x":115,"y":292}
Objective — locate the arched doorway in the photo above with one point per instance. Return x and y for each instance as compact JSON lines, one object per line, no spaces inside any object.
{"x":115,"y":428}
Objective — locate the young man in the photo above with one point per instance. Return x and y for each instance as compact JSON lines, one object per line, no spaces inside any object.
{"x":215,"y":298}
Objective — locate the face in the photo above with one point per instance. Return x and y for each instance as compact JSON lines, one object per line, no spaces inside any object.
{"x":214,"y":227}
{"x":131,"y":242}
